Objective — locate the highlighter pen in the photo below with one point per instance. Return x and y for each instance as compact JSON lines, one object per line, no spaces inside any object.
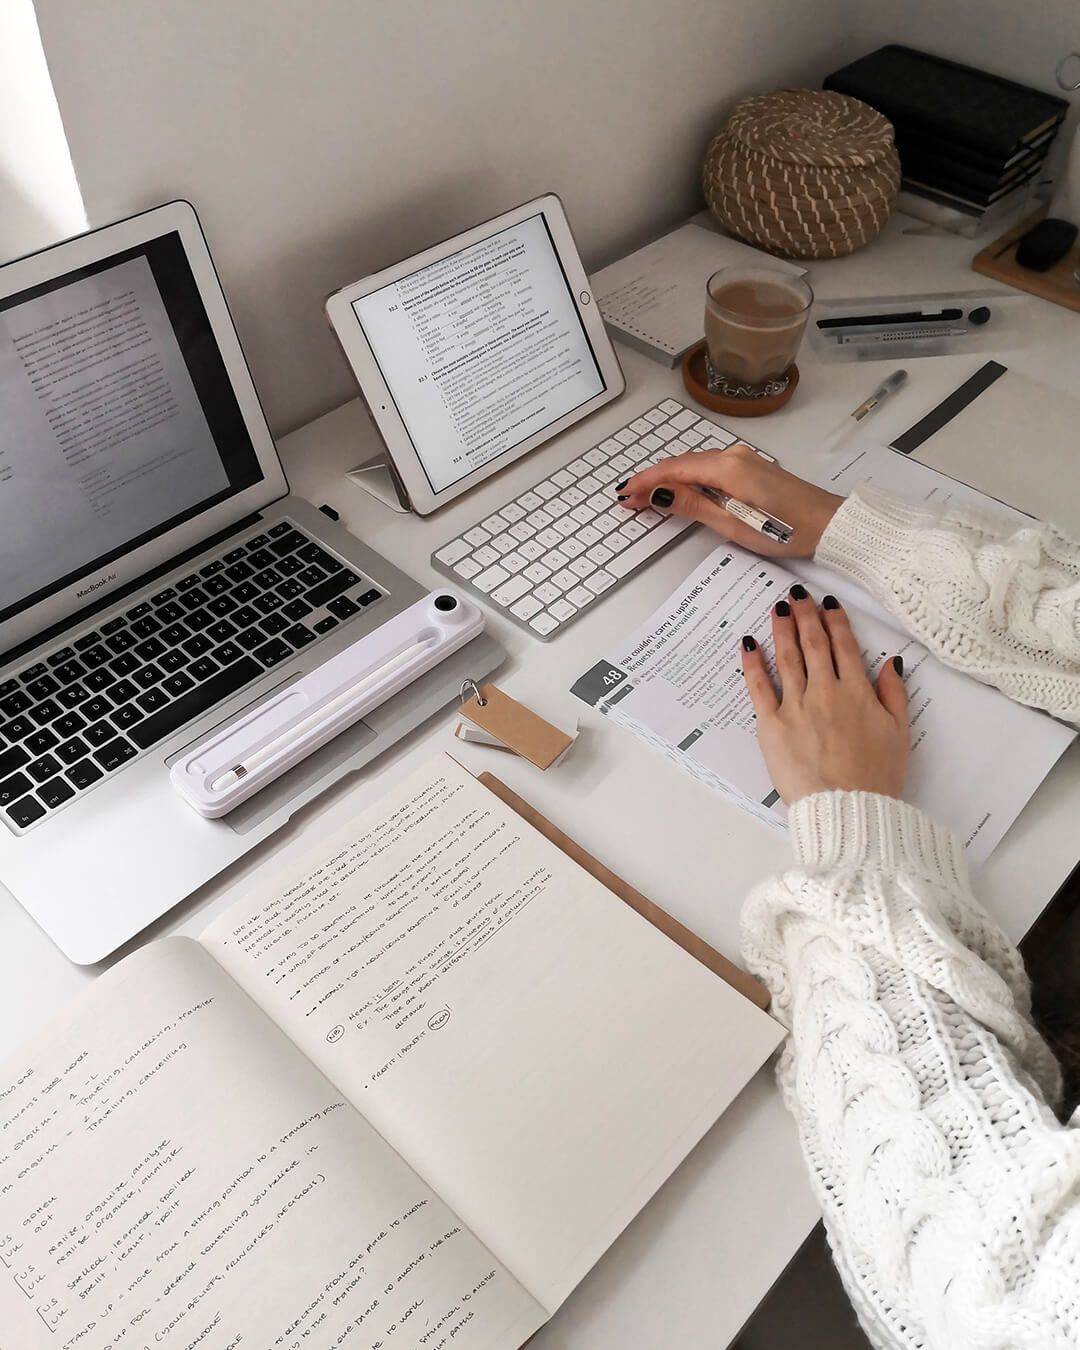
{"x":749,"y":515}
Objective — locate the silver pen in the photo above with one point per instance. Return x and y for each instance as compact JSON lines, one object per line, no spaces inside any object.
{"x":761,"y":521}
{"x":867,"y":406}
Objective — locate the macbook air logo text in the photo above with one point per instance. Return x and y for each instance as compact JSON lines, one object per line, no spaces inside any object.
{"x":95,"y":586}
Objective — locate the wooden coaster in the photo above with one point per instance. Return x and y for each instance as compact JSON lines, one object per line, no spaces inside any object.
{"x":1058,"y":285}
{"x":695,"y":378}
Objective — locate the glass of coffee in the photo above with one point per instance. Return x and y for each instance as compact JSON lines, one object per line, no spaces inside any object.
{"x":754,"y":321}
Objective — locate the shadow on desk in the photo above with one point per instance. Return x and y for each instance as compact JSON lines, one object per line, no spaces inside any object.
{"x":807,"y":1305}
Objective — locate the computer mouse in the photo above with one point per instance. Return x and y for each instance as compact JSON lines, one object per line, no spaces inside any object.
{"x":1045,"y":244}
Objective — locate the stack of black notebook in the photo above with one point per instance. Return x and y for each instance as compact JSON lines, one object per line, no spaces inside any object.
{"x":969,"y":142}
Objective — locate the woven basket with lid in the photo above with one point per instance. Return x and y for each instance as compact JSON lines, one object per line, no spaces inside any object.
{"x":803,"y":172}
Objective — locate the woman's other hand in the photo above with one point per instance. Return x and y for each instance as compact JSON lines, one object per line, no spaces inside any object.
{"x":829,"y":728}
{"x":743,"y":474}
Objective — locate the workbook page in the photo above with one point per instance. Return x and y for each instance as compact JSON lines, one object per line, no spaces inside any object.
{"x":542,"y":1055}
{"x":677,"y":683}
{"x":174,"y":1172}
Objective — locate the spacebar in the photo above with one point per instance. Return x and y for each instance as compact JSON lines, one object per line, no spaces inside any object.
{"x":181,"y":710}
{"x":642,"y":549}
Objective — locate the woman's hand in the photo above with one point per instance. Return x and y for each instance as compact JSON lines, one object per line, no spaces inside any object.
{"x":829,"y":728}
{"x":738,"y":471}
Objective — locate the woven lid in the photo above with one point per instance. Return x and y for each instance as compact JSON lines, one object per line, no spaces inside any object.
{"x":811,"y":126}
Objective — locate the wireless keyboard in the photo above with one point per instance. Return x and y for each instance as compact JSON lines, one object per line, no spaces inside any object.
{"x":553,"y":551}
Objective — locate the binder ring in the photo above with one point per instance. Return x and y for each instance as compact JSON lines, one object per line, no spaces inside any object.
{"x":470,"y":689}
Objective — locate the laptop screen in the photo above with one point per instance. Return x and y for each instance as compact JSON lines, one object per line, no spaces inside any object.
{"x":481,"y":350}
{"x":118,"y":420}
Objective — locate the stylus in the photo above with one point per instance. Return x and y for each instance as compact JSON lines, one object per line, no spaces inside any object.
{"x":876,"y":320}
{"x":749,"y":515}
{"x":313,"y":723}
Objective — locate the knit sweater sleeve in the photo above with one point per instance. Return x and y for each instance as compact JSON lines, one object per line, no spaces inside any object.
{"x":997,"y":601}
{"x":921,"y":1090}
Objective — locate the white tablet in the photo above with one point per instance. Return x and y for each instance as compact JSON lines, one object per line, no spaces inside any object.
{"x":478,"y":350}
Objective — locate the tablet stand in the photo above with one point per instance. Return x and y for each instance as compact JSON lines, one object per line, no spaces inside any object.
{"x":376,"y":476}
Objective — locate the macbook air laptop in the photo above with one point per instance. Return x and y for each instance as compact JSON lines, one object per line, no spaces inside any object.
{"x":156,"y":578}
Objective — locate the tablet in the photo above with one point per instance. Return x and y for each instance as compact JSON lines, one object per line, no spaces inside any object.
{"x":478,"y":350}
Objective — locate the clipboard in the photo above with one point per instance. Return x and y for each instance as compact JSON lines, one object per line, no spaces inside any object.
{"x":740,"y":980}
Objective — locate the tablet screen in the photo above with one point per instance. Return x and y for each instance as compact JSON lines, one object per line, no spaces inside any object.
{"x":481,"y":350}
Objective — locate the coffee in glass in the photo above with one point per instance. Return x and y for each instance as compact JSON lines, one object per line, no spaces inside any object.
{"x":754,"y":322}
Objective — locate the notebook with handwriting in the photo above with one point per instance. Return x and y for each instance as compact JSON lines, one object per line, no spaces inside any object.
{"x":404,"y":1092}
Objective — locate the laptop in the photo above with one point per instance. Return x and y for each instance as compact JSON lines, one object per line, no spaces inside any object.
{"x":156,"y":578}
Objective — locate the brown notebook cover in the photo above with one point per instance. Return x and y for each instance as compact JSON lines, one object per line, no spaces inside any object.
{"x":659,"y":918}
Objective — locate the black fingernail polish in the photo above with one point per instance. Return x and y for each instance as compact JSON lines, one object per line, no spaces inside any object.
{"x":622,"y":499}
{"x":783,"y":609}
{"x":798,"y":592}
{"x":748,"y":644}
{"x":830,"y":602}
{"x":898,"y":664}
{"x":662,"y":497}
{"x":619,"y":486}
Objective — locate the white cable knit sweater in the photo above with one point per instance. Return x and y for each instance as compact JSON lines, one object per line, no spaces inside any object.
{"x":921,"y":1089}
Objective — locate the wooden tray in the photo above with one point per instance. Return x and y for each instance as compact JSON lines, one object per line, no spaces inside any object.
{"x":998,"y":260}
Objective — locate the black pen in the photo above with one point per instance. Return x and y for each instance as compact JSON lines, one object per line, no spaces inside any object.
{"x":912,"y":316}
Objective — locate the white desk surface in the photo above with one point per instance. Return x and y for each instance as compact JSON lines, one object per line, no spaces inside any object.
{"x":692,"y":1268}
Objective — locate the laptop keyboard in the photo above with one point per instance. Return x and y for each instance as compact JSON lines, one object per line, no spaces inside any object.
{"x":555,"y":550}
{"x":86,"y":709}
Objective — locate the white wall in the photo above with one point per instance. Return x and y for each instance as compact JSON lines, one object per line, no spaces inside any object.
{"x":39,"y":199}
{"x":323,"y":139}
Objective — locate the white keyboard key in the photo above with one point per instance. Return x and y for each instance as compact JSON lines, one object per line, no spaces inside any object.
{"x":573,"y":496}
{"x":717,"y":435}
{"x":625,"y":437}
{"x":580,"y":597}
{"x":544,"y":624}
{"x":563,"y":479}
{"x":616,"y":541}
{"x":666,"y":433}
{"x":504,"y":543}
{"x":600,"y":554}
{"x":640,"y":426}
{"x":536,"y":573}
{"x":684,"y":419}
{"x":513,"y":513}
{"x":658,"y":455}
{"x":633,"y":529}
{"x":476,"y":536}
{"x":567,"y":525}
{"x":547,"y":490}
{"x":670,"y":407}
{"x":590,"y":484}
{"x":691,"y":439}
{"x":540,"y":519}
{"x":486,"y":556}
{"x":510,"y":591}
{"x":549,"y":539}
{"x":522,"y":530}
{"x":555,"y":559}
{"x":532,"y":549}
{"x":764,"y":454}
{"x":467,"y":568}
{"x":558,"y":506}
{"x":525,"y":609}
{"x":562,"y":609}
{"x":582,"y":567}
{"x":514,"y":562}
{"x":547,"y":592}
{"x":599,"y":501}
{"x":583,"y":513}
{"x":600,"y":581}
{"x":494,"y":576}
{"x":622,"y":464}
{"x":577,"y":467}
{"x":606,"y":473}
{"x":650,"y":443}
{"x":647,"y":518}
{"x":494,"y":524}
{"x":573,"y":547}
{"x":455,"y":549}
{"x":609,"y":447}
{"x":529,"y":501}
{"x":644,"y":548}
{"x":565,"y":580}
{"x":605,"y":523}
{"x":588,"y":535}
{"x":655,"y":416}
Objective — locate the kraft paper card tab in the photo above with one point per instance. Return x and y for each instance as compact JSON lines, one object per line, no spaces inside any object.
{"x":697,"y":947}
{"x":516,"y":727}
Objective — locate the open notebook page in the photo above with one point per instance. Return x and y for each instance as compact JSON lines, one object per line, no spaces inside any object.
{"x":174,"y":1172}
{"x":536,"y":1050}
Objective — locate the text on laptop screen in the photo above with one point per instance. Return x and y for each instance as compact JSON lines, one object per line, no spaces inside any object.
{"x":117,"y":418}
{"x":481,"y":350}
